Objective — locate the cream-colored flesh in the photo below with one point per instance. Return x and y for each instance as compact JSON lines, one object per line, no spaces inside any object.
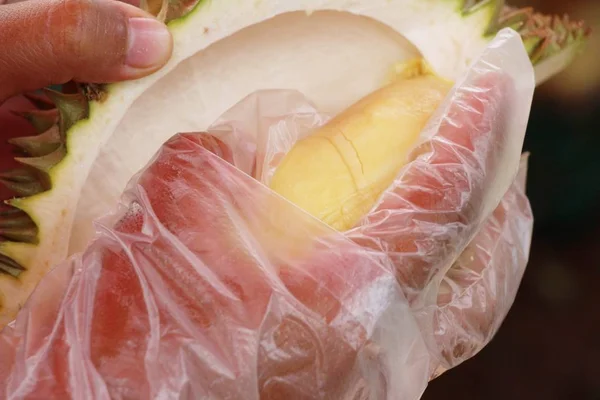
{"x":333,"y":57}
{"x":287,"y":52}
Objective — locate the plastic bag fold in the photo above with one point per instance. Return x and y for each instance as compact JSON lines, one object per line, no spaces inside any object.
{"x":204,"y":284}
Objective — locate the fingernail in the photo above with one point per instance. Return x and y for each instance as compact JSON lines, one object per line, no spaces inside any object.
{"x":149,"y":43}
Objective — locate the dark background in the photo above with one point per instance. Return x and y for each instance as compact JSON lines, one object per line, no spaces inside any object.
{"x":549,"y":345}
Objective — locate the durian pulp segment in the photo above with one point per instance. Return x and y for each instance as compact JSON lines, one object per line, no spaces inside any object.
{"x":337,"y":173}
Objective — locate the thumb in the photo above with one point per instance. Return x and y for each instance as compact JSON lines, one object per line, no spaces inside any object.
{"x":97,"y":41}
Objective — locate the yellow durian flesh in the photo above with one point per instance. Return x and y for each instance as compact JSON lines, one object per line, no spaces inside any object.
{"x":338,"y":172}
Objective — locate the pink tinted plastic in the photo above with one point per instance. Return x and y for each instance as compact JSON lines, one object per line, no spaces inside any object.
{"x":205,"y":284}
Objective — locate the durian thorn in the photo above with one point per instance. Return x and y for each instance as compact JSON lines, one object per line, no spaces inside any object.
{"x":93,"y":91}
{"x":10,"y":267}
{"x":39,"y":100}
{"x":24,"y":182}
{"x":471,"y":6}
{"x":72,"y":108}
{"x":11,"y":212}
{"x":515,"y":19}
{"x":158,"y":8}
{"x":19,"y":175}
{"x":25,"y":234}
{"x":539,"y":50}
{"x":17,"y":226}
{"x":20,"y":220}
{"x":533,"y":44}
{"x":44,"y":163}
{"x":545,"y":35}
{"x":168,"y":10}
{"x":164,"y":9}
{"x":39,"y":145}
{"x":42,"y":120}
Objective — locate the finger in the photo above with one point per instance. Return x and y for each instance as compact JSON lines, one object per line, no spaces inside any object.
{"x":431,"y":211}
{"x":84,"y":40}
{"x":479,"y":289}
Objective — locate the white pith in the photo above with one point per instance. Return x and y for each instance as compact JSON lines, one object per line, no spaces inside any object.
{"x":333,"y":57}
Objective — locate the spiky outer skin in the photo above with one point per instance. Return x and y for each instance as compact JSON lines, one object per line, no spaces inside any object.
{"x":548,"y":40}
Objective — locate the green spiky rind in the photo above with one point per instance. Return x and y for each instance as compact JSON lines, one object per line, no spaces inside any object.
{"x":41,"y":120}
{"x":42,"y":153}
{"x":72,"y":108}
{"x":10,"y":267}
{"x":13,"y":222}
{"x":178,"y":9}
{"x":39,"y":145}
{"x":45,"y":163}
{"x":19,"y":228}
{"x":25,"y":182}
{"x":543,"y":36}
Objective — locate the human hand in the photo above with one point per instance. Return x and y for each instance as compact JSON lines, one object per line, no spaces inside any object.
{"x":55,"y":41}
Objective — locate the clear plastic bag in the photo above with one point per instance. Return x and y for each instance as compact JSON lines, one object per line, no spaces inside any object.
{"x":204,"y":284}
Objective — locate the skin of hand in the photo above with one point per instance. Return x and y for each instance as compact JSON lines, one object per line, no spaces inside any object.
{"x":54,"y":41}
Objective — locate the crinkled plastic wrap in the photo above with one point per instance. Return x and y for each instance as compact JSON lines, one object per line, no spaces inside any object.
{"x":205,"y":284}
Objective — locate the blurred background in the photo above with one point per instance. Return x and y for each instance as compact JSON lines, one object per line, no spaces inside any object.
{"x":549,"y":345}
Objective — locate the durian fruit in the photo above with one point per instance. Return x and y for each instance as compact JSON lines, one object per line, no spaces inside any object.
{"x":93,"y":138}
